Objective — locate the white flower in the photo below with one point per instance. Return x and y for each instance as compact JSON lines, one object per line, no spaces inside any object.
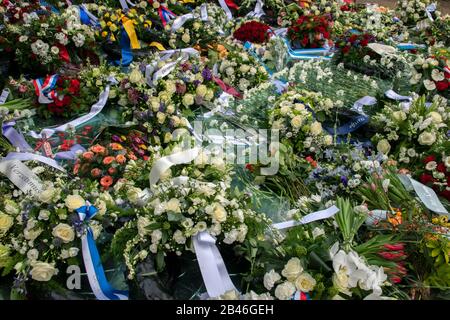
{"x":447,"y":161}
{"x":54,"y":50}
{"x":317,"y":232}
{"x":23,"y":38}
{"x":430,"y":166}
{"x":78,"y":40}
{"x":74,"y":202}
{"x":156,"y":236}
{"x":64,"y":232}
{"x":435,"y":117}
{"x":136,"y":76}
{"x":178,"y":237}
{"x":44,"y":215}
{"x":292,"y":269}
{"x":316,"y":128}
{"x":383,"y":146}
{"x":270,"y":278}
{"x":173,"y":205}
{"x":285,"y":290}
{"x":188,"y":100}
{"x":437,"y":75}
{"x":429,"y":85}
{"x":427,"y":138}
{"x":33,"y":254}
{"x":142,"y":224}
{"x":6,"y":222}
{"x":62,"y":38}
{"x":73,"y":252}
{"x":399,"y":115}
{"x":305,"y":282}
{"x":296,"y":121}
{"x":40,"y":48}
{"x":43,"y":271}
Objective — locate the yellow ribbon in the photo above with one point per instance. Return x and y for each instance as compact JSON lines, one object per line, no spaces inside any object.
{"x":158,"y":45}
{"x":129,"y":29}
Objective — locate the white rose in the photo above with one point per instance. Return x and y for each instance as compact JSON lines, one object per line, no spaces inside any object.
{"x":327,"y":140}
{"x":435,"y":117}
{"x":285,"y":291}
{"x":188,"y":100}
{"x":317,"y":232}
{"x":383,"y":146}
{"x":292,"y":269}
{"x":427,"y":138}
{"x":43,"y":271}
{"x":447,"y":162}
{"x":161,"y":117}
{"x":296,"y":121}
{"x":316,"y":128}
{"x":340,"y":282}
{"x":270,"y":278}
{"x":156,"y":236}
{"x":178,"y":237}
{"x":74,"y":202}
{"x":6,"y":222}
{"x":219,"y":213}
{"x":11,"y":207}
{"x":136,"y":76}
{"x":305,"y":282}
{"x":399,"y":115}
{"x":73,"y":252}
{"x":436,"y":75}
{"x":64,"y":232}
{"x":173,"y":205}
{"x":201,"y":90}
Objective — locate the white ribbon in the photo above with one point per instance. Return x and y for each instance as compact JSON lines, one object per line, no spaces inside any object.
{"x":204,"y":12}
{"x":376,"y":216}
{"x":364,"y":101}
{"x":391,"y":94}
{"x":258,"y":12}
{"x":125,"y":3}
{"x":21,"y":176}
{"x":181,"y":20}
{"x":95,"y":109}
{"x":226,"y":9}
{"x":214,"y":272}
{"x":163,"y":164}
{"x":429,"y":10}
{"x":425,"y":194}
{"x":25,"y":156}
{"x":4,"y":96}
{"x":318,"y":215}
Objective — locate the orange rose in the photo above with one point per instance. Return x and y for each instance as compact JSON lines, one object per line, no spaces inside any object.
{"x":108,"y":160}
{"x":96,"y":172}
{"x":121,"y":159}
{"x":88,"y":155}
{"x":76,"y":168}
{"x":106,"y":181}
{"x":116,"y":146}
{"x":132,"y":156}
{"x":98,"y":149}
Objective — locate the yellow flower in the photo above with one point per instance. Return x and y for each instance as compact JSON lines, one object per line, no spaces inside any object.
{"x":109,"y":23}
{"x":114,"y":17}
{"x":106,"y":15}
{"x":113,"y":28}
{"x":104,"y":34}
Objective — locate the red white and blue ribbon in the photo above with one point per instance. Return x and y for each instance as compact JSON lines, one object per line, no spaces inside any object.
{"x":166,"y":15}
{"x":100,"y":286}
{"x":45,"y":89}
{"x":299,"y":295}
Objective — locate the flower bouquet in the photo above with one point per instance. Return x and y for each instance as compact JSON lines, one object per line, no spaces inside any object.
{"x":310,"y":32}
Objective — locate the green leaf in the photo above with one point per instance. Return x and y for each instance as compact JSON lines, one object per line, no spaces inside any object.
{"x":160,"y":263}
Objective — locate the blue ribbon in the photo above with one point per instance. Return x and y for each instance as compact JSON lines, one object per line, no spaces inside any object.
{"x":84,"y":18}
{"x":127,"y":54}
{"x":86,"y":213}
{"x":349,"y":127}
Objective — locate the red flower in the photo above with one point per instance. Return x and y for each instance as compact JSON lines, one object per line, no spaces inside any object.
{"x":442,"y":85}
{"x":441,"y":167}
{"x":395,"y":280}
{"x":392,"y":255}
{"x":74,"y":87}
{"x":429,"y":159}
{"x":353,"y":38}
{"x":426,"y":178}
{"x":395,"y":247}
{"x":364,"y":42}
{"x":249,"y":167}
{"x":445,"y":194}
{"x":346,"y":49}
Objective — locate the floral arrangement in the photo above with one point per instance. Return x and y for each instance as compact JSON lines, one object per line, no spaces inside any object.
{"x":406,"y":133}
{"x":293,"y":117}
{"x":412,"y":12}
{"x":252,"y":31}
{"x":310,"y":32}
{"x":240,"y":70}
{"x":430,"y":74}
{"x":434,"y":172}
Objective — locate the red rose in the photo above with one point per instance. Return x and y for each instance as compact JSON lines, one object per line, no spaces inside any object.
{"x":442,"y":85}
{"x":74,"y":87}
{"x":426,"y":178}
{"x":445,"y":194}
{"x":429,"y":159}
{"x":346,"y":49}
{"x":353,"y":38}
{"x":364,"y":42}
{"x":441,"y":167}
{"x":305,"y":41}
